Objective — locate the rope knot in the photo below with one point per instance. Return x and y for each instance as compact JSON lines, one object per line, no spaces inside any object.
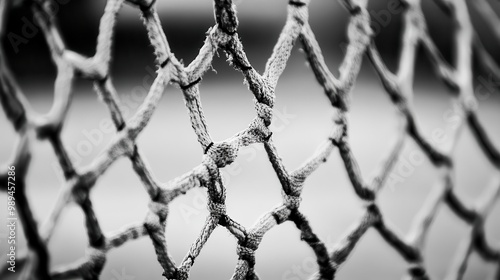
{"x":223,"y":153}
{"x":417,"y":271}
{"x":300,"y":12}
{"x":265,"y":112}
{"x":374,"y":211}
{"x":153,"y":225}
{"x":125,"y":145}
{"x":159,"y":209}
{"x":225,"y":16}
{"x":183,"y":272}
{"x":217,"y":209}
{"x":339,"y":130}
{"x":292,"y":201}
{"x":246,"y":254}
{"x":94,"y":266}
{"x":359,"y":30}
{"x":146,"y":7}
{"x":80,"y":194}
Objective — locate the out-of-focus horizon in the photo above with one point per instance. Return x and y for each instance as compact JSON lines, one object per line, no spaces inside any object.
{"x":303,"y":121}
{"x":186,"y":22}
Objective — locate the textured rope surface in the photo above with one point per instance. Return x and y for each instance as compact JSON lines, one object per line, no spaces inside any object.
{"x":224,"y":35}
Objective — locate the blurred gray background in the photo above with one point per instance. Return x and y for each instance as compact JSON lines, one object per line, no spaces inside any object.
{"x":303,"y":121}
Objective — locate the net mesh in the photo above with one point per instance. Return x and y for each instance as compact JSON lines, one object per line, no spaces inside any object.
{"x":223,"y":35}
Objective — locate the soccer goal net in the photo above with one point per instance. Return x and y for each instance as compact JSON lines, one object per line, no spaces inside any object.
{"x":223,"y":36}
